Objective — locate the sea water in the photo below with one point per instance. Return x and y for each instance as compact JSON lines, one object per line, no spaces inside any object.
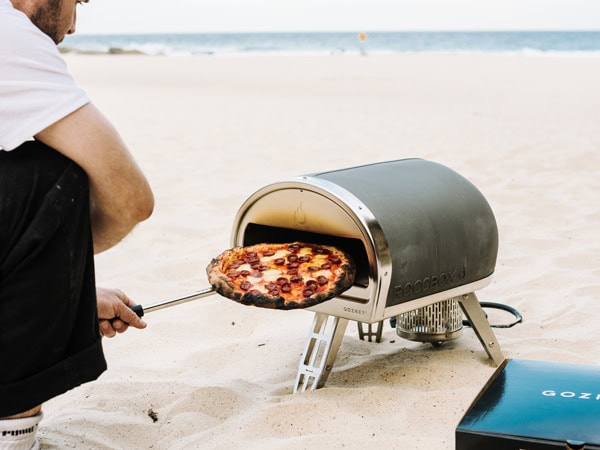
{"x":548,"y":43}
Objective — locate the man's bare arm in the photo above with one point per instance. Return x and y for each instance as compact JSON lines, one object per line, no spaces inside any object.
{"x":119,"y":192}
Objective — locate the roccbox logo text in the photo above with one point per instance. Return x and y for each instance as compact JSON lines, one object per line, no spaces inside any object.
{"x":444,"y":279}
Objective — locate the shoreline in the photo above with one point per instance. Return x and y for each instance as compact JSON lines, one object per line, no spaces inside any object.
{"x":542,"y":43}
{"x":526,"y":53}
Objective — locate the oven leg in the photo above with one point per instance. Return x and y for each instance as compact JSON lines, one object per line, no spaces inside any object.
{"x":369,"y":333}
{"x":472,"y":309}
{"x":320,"y":351}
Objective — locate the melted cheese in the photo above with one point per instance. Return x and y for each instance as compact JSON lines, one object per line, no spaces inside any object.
{"x":271,"y":275}
{"x":275,"y":271}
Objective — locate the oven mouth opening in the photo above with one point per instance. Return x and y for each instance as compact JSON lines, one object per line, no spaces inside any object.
{"x":257,"y":233}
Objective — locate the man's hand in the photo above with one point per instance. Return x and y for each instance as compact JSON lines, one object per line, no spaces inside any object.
{"x":114,"y":312}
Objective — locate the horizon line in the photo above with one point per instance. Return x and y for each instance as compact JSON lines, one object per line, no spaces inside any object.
{"x":550,"y":30}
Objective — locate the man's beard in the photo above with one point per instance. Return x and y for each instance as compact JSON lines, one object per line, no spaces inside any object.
{"x":47,"y":19}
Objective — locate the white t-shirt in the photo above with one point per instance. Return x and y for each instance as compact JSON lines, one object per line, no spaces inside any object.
{"x":36,"y":89}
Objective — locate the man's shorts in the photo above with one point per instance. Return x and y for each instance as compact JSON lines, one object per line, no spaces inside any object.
{"x":49,"y":337}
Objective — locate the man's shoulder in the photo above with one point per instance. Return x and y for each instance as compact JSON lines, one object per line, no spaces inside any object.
{"x":18,"y":34}
{"x":36,"y":87}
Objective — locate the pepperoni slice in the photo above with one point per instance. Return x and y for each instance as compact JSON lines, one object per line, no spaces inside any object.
{"x":296,"y":279}
{"x":244,"y":273}
{"x":292,"y":265}
{"x":322,"y":279}
{"x":292,"y":258}
{"x":303,"y":259}
{"x":292,"y":272}
{"x":307,"y":292}
{"x":281,"y":280}
{"x":285,"y":288}
{"x":245,"y":285}
{"x":335,"y":259}
{"x":326,"y":266}
{"x":312,"y":284}
{"x":273,"y":292}
{"x":268,"y":253}
{"x":279,"y":261}
{"x":312,"y":268}
{"x":270,"y":286}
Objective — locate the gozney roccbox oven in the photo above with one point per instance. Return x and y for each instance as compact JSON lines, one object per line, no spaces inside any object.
{"x":423,"y":239}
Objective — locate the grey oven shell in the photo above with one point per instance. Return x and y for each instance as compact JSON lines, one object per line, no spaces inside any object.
{"x":418,"y":231}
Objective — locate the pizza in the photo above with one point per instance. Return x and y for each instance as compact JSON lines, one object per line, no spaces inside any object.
{"x":281,"y":276}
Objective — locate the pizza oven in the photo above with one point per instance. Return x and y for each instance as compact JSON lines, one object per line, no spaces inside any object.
{"x":423,"y":238}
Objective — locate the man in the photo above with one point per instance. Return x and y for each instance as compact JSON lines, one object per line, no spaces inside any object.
{"x":69,"y":188}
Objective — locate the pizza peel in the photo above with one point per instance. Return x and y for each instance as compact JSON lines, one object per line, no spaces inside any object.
{"x":265,"y":301}
{"x":141,"y":310}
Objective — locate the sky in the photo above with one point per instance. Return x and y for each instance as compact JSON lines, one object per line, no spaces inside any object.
{"x":162,"y":16}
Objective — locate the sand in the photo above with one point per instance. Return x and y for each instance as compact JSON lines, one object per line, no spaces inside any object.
{"x":209,"y":131}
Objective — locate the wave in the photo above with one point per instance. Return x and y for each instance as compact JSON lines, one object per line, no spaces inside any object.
{"x":526,"y":43}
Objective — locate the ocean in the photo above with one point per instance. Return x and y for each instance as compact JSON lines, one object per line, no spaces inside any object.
{"x":547,"y":43}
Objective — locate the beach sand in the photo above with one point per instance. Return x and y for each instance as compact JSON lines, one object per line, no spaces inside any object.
{"x":209,"y":131}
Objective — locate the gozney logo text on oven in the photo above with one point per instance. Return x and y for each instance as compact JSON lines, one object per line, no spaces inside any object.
{"x":444,"y":279}
{"x":571,"y":394}
{"x":360,"y":312}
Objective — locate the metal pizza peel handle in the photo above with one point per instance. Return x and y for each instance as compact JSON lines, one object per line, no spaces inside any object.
{"x":140,"y":310}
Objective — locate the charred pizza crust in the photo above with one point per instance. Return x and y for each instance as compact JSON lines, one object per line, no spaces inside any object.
{"x":281,"y":276}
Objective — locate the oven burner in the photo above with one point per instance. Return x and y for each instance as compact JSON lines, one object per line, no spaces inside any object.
{"x":435,"y":323}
